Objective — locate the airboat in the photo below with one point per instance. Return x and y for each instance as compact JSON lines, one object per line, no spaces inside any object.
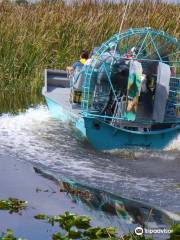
{"x":127,"y":95}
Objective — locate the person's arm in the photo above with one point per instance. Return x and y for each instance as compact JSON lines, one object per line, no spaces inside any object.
{"x":69,"y":69}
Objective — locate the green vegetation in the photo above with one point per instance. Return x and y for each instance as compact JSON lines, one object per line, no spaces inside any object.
{"x":175,"y":235}
{"x":13,"y":205}
{"x":51,"y":35}
{"x":77,"y":227}
{"x":8,"y":235}
{"x":72,"y":226}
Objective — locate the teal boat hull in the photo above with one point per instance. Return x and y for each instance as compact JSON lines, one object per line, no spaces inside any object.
{"x":104,"y":136}
{"x":60,"y":113}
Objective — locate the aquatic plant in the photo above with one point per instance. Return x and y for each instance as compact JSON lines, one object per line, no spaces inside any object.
{"x":8,"y":235}
{"x":51,"y":34}
{"x":77,"y":227}
{"x":175,"y":235}
{"x":73,"y":226}
{"x":13,"y":205}
{"x":135,"y":237}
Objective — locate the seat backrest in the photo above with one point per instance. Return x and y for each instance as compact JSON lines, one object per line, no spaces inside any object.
{"x":161,"y":92}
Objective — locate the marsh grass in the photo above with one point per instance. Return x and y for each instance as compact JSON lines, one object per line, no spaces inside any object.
{"x":51,"y":35}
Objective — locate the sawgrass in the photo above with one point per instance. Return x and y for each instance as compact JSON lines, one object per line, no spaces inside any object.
{"x":51,"y":35}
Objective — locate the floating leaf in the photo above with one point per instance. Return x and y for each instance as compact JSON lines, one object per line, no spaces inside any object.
{"x":57,"y":236}
{"x":74,"y":234}
{"x":8,"y":235}
{"x":175,"y":235}
{"x":13,"y":205}
{"x":82,"y":222}
{"x":41,"y":216}
{"x":92,"y":232}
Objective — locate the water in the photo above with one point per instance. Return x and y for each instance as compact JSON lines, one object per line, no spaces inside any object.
{"x":146,"y":176}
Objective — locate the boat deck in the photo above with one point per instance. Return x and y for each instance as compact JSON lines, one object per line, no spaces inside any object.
{"x":62,"y":97}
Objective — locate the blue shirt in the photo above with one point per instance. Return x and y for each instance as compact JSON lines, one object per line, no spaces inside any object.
{"x":77,"y":64}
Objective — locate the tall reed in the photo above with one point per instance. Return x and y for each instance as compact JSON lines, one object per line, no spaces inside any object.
{"x":51,"y":35}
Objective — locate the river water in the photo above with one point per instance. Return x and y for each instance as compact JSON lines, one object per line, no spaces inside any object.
{"x":151,"y":177}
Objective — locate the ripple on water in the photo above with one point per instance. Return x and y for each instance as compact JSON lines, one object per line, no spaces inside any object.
{"x":144,"y":175}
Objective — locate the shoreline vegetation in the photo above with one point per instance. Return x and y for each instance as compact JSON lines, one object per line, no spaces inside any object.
{"x":51,"y":34}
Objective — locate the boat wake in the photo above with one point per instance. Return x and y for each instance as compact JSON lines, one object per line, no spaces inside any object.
{"x":174,"y":144}
{"x":24,"y":126}
{"x":35,"y":137}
